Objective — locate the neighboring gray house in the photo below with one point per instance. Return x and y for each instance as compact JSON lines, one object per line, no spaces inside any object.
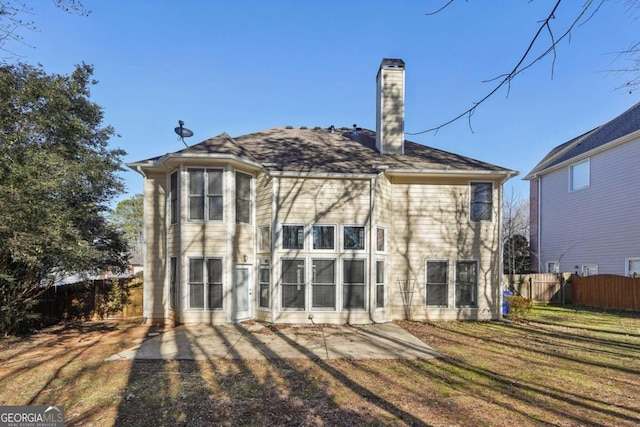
{"x":334,"y":225}
{"x":585,"y":202}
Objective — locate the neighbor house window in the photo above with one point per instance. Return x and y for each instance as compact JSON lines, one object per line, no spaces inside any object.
{"x":380,"y":239}
{"x":632,"y":267}
{"x":263,"y":278}
{"x":173,"y":198}
{"x":353,"y":238}
{"x":380,"y":281}
{"x":466,"y":283}
{"x":437,"y":283}
{"x":553,"y":267}
{"x":205,"y":194}
{"x":293,"y":283}
{"x":264,"y":238}
{"x":481,"y":201}
{"x":579,"y":175}
{"x":353,"y":283}
{"x":324,"y":237}
{"x":243,"y":198}
{"x":205,"y":271}
{"x":293,"y":237}
{"x":323,"y":283}
{"x":173,"y":277}
{"x":589,"y":269}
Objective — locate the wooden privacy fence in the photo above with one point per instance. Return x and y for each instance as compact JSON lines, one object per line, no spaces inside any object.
{"x":542,"y":288}
{"x":606,"y":291}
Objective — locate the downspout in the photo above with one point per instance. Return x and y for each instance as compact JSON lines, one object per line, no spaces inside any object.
{"x":372,"y":252}
{"x":145,"y":315}
{"x":275,"y":188}
{"x":539,"y":220}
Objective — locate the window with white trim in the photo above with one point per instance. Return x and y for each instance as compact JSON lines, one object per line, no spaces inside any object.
{"x":466,"y":283}
{"x":243,"y":198}
{"x":481,"y":208}
{"x":173,"y":197}
{"x":173,"y":278}
{"x":205,"y":271}
{"x":264,"y":238}
{"x":437,"y":283}
{"x":324,"y":237}
{"x":589,"y":269}
{"x":353,"y":284}
{"x":380,"y":284}
{"x":353,"y":238}
{"x":381,"y":239}
{"x":264,"y":282}
{"x":323,"y":283}
{"x":205,"y":194}
{"x":632,"y":267}
{"x":579,"y":175}
{"x":293,"y":237}
{"x":293,"y":284}
{"x":553,"y":267}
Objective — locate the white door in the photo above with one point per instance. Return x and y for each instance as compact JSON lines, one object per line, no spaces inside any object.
{"x":242,"y":293}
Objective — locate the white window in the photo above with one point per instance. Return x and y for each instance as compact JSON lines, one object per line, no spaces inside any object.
{"x":353,"y":238}
{"x":466,"y":283}
{"x":589,"y":269}
{"x":579,"y":175}
{"x":243,"y":198}
{"x":632,"y":267}
{"x":264,"y":238}
{"x":481,"y":201}
{"x":381,"y":239}
{"x":205,"y":271}
{"x":205,"y":194}
{"x":263,"y":279}
{"x":437,"y":283}
{"x":553,"y":267}
{"x":380,"y":284}
{"x":173,"y":198}
{"x":353,"y":284}
{"x":293,"y":284}
{"x":293,"y":237}
{"x":323,"y":283}
{"x":324,"y":237}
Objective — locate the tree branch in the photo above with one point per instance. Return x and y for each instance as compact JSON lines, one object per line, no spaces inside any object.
{"x":522,"y":65}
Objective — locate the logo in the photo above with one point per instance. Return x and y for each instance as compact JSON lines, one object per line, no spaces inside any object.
{"x":32,"y":416}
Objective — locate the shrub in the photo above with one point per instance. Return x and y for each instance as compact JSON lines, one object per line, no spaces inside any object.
{"x":518,"y":306}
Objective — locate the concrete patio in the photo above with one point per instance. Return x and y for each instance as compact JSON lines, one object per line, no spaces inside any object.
{"x":253,"y":340}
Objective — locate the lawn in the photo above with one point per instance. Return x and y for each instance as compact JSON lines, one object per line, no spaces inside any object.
{"x":559,"y":366}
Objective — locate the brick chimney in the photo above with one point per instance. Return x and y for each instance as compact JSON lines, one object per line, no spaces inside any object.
{"x":390,"y":107}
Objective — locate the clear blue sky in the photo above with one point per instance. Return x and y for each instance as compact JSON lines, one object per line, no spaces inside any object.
{"x":244,"y":66}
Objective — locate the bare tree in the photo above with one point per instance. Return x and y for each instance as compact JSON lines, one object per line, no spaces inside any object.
{"x":16,"y":17}
{"x":543,"y":43}
{"x":515,"y":233}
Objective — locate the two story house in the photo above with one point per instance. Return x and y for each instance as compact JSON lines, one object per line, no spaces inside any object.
{"x":323,"y":224}
{"x":585,"y":202}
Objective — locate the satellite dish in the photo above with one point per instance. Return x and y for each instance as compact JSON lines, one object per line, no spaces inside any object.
{"x":183,"y":132}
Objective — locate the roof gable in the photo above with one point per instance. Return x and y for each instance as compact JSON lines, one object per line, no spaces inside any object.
{"x":625,"y":124}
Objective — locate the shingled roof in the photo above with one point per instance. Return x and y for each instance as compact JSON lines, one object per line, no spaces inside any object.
{"x":318,"y":150}
{"x":626,"y":123}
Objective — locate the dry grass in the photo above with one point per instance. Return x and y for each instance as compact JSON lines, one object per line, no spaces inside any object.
{"x":560,"y":367}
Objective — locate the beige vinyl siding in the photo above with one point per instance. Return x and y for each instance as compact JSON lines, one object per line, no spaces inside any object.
{"x":155,"y":190}
{"x":264,"y":190}
{"x":431,"y":221}
{"x":309,"y":201}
